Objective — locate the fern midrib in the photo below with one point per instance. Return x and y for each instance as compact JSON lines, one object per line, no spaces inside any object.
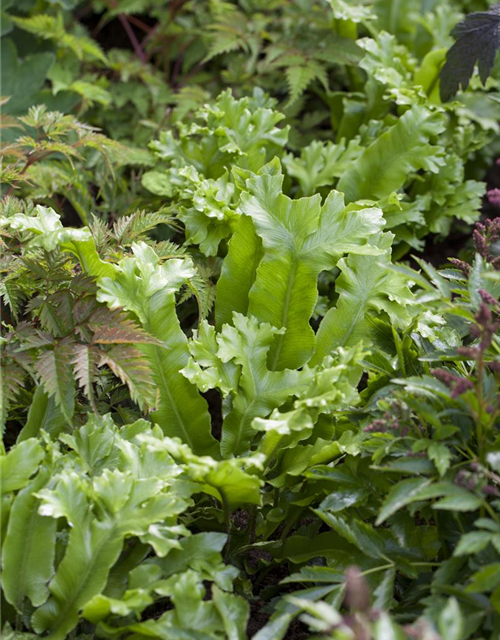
{"x":348,"y":333}
{"x":352,"y":325}
{"x":284,"y":316}
{"x":255,"y":388}
{"x":26,"y":553}
{"x":376,"y":176}
{"x":68,"y":604}
{"x":173,"y":404}
{"x":240,"y":426}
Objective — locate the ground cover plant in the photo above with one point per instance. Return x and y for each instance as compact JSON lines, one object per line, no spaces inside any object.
{"x":250,"y":320}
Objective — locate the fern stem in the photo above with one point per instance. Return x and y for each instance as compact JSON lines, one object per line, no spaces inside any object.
{"x":132,"y":37}
{"x":480,"y":409}
{"x":227,"y":523}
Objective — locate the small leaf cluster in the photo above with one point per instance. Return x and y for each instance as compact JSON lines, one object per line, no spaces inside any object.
{"x":408,"y":166}
{"x":41,"y":135}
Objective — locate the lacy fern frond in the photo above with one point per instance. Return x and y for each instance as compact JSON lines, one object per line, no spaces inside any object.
{"x":131,"y":228}
{"x":201,"y":287}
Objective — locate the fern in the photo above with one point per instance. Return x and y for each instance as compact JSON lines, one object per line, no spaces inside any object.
{"x":85,"y":362}
{"x":228,"y":33}
{"x":112,"y":327}
{"x":130,"y":228}
{"x":53,"y":367}
{"x":300,"y":76}
{"x":57,"y":134}
{"x":12,"y":296}
{"x":167,"y":249}
{"x":52,"y":28}
{"x":202,"y":288}
{"x":224,"y":40}
{"x":133,"y":369}
{"x":100,"y":232}
{"x":12,"y":377}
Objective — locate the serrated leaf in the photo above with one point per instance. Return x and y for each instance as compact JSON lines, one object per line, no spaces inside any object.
{"x":12,"y":379}
{"x":343,"y":498}
{"x":56,"y":375}
{"x":477,"y":42}
{"x":52,"y":28}
{"x":441,"y":456}
{"x":463,"y":501}
{"x":473,"y":542}
{"x":384,"y":593}
{"x":486,"y":579}
{"x":129,"y":364}
{"x":85,"y":361}
{"x":300,"y":76}
{"x":360,"y":534}
{"x":400,"y":495}
{"x":114,"y":328}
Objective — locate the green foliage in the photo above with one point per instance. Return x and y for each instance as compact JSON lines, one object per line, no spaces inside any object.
{"x":290,"y":427}
{"x":232,"y":405}
{"x":148,"y":290}
{"x":299,"y":239}
{"x":101,"y":487}
{"x":231,"y":133}
{"x":62,"y":138}
{"x":409,"y":165}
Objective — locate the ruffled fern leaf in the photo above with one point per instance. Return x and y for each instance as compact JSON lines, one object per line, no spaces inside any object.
{"x":151,"y":297}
